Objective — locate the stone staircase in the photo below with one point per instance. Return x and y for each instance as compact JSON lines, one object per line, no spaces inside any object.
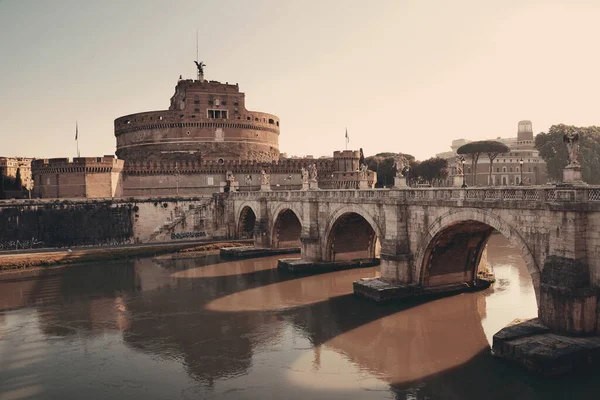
{"x":179,"y":216}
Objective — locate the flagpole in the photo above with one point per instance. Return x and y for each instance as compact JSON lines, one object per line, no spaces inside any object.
{"x":347,"y":138}
{"x":77,"y":137}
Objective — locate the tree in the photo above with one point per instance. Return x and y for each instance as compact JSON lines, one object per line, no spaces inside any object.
{"x":554,"y":152}
{"x":490,"y":147}
{"x":383,"y":164}
{"x":18,"y":181}
{"x":433,"y":171}
{"x":493,"y":149}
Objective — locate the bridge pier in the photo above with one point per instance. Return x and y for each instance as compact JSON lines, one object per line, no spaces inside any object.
{"x":432,"y":241}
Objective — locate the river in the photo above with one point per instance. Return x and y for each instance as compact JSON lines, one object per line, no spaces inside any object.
{"x":199,"y":327}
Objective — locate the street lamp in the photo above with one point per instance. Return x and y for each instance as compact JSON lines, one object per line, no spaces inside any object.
{"x":462,"y":161}
{"x":521,"y":169}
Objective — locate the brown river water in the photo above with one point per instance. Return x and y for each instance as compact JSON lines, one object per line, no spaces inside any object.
{"x":203,"y":328}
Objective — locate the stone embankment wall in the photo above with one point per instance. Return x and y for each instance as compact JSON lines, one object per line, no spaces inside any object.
{"x":26,"y":224}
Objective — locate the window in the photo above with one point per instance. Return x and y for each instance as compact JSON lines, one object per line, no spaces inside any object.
{"x":248,"y":118}
{"x":196,"y":99}
{"x":196,"y":109}
{"x":217,"y":114}
{"x":271,"y":121}
{"x":497,"y":169}
{"x":236,"y":102}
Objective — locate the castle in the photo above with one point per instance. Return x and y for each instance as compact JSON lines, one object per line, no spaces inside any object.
{"x":206,"y":142}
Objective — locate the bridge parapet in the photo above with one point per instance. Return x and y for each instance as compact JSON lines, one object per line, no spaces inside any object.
{"x":529,"y":195}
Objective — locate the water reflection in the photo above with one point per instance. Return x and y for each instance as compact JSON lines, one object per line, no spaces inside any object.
{"x":301,"y":291}
{"x":199,"y":327}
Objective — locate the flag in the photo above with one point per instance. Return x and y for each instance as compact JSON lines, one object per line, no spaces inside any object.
{"x":76,"y":130}
{"x":347,"y":137}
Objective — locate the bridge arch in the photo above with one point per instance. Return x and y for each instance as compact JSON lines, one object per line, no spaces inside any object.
{"x":461,"y":236}
{"x":286,"y":228}
{"x":246,"y":221}
{"x":351,"y":229}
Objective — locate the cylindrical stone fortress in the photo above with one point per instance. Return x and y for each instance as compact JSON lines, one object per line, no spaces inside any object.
{"x":207,"y":121}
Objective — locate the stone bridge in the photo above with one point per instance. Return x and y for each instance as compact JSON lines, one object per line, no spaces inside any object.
{"x":434,"y":237}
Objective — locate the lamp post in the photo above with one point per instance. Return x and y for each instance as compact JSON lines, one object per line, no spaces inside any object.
{"x":521,"y":169}
{"x":462,"y":162}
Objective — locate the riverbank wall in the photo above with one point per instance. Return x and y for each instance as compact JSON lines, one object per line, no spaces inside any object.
{"x":47,"y":223}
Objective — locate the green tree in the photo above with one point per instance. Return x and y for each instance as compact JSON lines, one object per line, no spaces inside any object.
{"x":18,"y":185}
{"x":474,"y":149}
{"x":554,"y":151}
{"x":383,"y":164}
{"x":433,"y":171}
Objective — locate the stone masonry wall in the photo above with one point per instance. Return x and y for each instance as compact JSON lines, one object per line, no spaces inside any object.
{"x":43,"y":223}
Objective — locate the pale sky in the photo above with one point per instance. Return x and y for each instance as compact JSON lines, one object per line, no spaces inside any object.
{"x":402,"y":76}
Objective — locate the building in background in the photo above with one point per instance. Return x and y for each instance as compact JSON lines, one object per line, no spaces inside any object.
{"x":82,"y":177}
{"x":10,"y":167}
{"x":506,"y":167}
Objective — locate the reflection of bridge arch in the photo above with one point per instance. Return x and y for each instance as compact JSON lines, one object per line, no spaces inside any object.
{"x":286,"y":229}
{"x":450,"y":250}
{"x":246,"y":222}
{"x":351,"y":230}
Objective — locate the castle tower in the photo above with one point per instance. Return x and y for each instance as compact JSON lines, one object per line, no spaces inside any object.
{"x":525,"y":131}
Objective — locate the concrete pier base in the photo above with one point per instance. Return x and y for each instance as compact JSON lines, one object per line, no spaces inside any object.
{"x":379,"y":290}
{"x":298,"y":265}
{"x":532,"y":345}
{"x":251,"y":252}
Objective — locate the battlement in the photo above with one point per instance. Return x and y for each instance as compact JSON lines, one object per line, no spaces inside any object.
{"x":208,"y":85}
{"x":222,"y":166}
{"x":77,"y":164}
{"x":346,"y":154}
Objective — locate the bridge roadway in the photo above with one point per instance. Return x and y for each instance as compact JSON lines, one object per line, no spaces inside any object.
{"x":434,"y":237}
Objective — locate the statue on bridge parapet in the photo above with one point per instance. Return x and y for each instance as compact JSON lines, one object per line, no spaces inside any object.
{"x":571,"y":139}
{"x":229,"y":177}
{"x":400,"y":170}
{"x":265,"y":183}
{"x":459,"y":166}
{"x":312,"y":173}
{"x":572,"y":172}
{"x":266,"y":178}
{"x":400,"y":163}
{"x":312,"y":177}
{"x":304,"y":175}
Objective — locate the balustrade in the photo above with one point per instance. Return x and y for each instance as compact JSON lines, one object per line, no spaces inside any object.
{"x":529,"y":194}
